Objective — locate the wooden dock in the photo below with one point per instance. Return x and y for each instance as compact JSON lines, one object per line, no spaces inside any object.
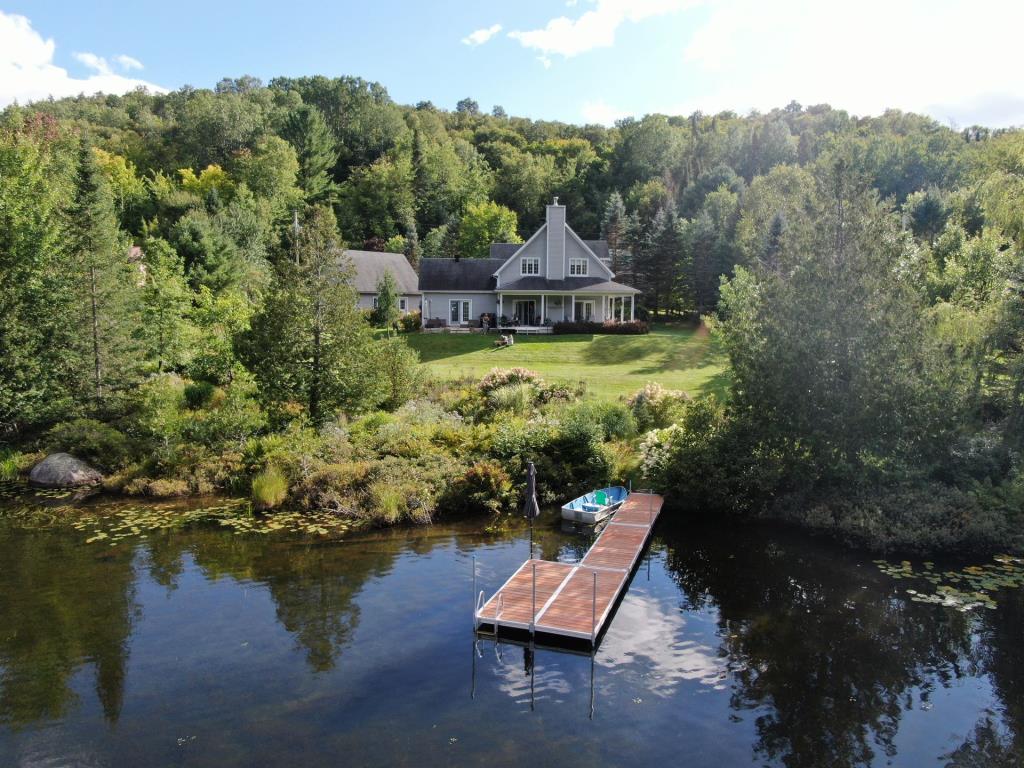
{"x":574,"y":600}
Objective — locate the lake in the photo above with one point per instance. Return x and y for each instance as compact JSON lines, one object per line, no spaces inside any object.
{"x":206,"y":646}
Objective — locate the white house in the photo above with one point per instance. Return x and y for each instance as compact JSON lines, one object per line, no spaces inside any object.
{"x":553,"y":276}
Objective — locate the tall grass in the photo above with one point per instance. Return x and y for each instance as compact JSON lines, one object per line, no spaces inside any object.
{"x":10,"y":465}
{"x":269,"y":488}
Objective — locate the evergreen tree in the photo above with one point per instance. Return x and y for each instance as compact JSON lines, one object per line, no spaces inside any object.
{"x":451,"y":238}
{"x":166,"y":302}
{"x":413,"y":250}
{"x":309,"y":342}
{"x":386,"y":313}
{"x":108,"y":284}
{"x":614,"y":223}
{"x":657,"y":269}
{"x":308,"y":132}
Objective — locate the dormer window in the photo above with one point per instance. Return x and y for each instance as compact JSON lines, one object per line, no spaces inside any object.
{"x":530,"y":265}
{"x":578,"y":267}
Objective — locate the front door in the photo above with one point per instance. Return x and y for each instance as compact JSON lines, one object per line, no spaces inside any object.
{"x":459,"y":311}
{"x":526,"y":311}
{"x":584,"y":311}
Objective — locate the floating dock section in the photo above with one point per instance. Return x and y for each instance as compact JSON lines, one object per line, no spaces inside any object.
{"x":569,"y":600}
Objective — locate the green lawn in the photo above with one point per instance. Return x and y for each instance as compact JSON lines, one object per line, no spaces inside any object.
{"x":676,"y":358}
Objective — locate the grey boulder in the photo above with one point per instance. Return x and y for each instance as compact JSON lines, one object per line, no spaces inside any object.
{"x":62,"y":470}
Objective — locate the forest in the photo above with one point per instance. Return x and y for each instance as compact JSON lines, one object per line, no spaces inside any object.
{"x":170,"y":304}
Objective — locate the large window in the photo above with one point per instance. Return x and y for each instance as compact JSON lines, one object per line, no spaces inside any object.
{"x":530,"y":265}
{"x":578,"y":267}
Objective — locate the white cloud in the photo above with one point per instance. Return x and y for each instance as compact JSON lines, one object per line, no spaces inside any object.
{"x":940,"y":57}
{"x":96,"y":63}
{"x":601,"y":112}
{"x":594,"y":29}
{"x":128,"y":62}
{"x":481,"y":36}
{"x":27,"y":71}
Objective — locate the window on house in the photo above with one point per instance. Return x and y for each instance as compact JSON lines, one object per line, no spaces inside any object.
{"x":530,"y":265}
{"x":402,"y":304}
{"x":374,"y":302}
{"x":578,"y":267}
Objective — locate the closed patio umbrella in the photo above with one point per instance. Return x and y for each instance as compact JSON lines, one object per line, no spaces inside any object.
{"x":530,"y":507}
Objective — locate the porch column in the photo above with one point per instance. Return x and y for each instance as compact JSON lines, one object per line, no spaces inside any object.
{"x":632,"y":308}
{"x":622,"y":309}
{"x":543,"y":313}
{"x":500,"y":309}
{"x":572,"y":311}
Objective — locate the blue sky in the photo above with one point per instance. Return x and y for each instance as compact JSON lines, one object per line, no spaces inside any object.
{"x":581,"y":60}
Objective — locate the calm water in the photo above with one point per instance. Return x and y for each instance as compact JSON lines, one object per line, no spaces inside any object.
{"x":204,"y":647}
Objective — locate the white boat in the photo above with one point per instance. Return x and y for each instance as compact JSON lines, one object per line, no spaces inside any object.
{"x":593,"y":507}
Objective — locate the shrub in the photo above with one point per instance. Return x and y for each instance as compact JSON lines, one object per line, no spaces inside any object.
{"x":92,"y":441}
{"x":502,"y":377}
{"x":168,"y":488}
{"x":198,"y":394}
{"x":398,"y":364}
{"x":269,"y":488}
{"x":516,"y":398}
{"x":410,"y":322}
{"x":655,"y":407}
{"x":484,"y":488}
{"x":165,"y":488}
{"x":614,"y":419}
{"x":631,"y":328}
{"x":333,"y":488}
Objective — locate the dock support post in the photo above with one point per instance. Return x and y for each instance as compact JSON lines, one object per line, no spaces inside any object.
{"x":474,"y":592}
{"x":593,"y":611}
{"x":533,"y":608}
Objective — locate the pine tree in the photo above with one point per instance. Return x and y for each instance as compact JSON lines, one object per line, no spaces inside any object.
{"x":658,"y":269}
{"x":413,"y":251}
{"x":309,"y":343}
{"x":308,"y":132}
{"x":107,"y":282}
{"x":166,"y":302}
{"x":614,"y":223}
{"x":386,"y":313}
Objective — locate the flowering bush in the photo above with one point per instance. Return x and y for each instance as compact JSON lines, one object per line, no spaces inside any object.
{"x":502,"y":377}
{"x":655,"y":407}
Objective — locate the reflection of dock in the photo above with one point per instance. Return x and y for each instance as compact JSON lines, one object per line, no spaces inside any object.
{"x":574,"y":601}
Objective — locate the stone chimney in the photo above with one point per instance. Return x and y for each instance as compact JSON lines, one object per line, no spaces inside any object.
{"x":556,"y":241}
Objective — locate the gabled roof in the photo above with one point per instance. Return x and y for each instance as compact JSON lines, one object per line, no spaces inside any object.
{"x":370,"y":267}
{"x":505,"y":251}
{"x":460,"y":275}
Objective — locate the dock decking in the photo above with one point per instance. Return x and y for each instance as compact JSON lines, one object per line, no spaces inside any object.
{"x":575,"y":600}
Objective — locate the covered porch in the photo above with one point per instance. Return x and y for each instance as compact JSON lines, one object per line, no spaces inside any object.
{"x":544,"y":308}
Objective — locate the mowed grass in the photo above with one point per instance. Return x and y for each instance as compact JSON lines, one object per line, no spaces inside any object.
{"x":683,"y":358}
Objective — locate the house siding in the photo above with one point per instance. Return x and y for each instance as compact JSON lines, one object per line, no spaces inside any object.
{"x":436,"y":305}
{"x":573,"y":250}
{"x":533,"y":248}
{"x":412,"y":301}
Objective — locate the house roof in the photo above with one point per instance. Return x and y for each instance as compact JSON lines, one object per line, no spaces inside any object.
{"x":459,"y":275}
{"x":504,"y":251}
{"x":370,"y":267}
{"x":568,"y":285}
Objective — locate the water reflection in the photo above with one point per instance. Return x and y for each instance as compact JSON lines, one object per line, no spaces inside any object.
{"x":62,"y":606}
{"x":729,"y":647}
{"x":825,"y":656}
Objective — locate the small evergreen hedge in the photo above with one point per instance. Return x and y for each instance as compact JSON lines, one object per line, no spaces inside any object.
{"x":632,"y":328}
